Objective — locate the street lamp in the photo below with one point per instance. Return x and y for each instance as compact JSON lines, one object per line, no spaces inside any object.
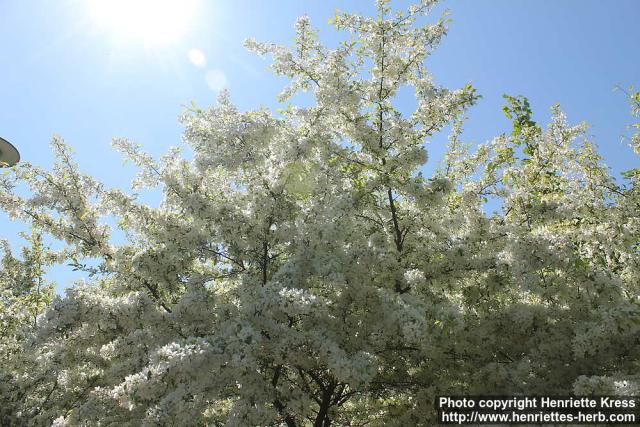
{"x":9,"y":155}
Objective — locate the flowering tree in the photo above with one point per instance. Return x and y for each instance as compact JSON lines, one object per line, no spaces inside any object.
{"x":301,"y":270}
{"x":24,"y":295}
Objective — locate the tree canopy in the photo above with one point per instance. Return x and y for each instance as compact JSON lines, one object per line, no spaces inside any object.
{"x":302,"y":270}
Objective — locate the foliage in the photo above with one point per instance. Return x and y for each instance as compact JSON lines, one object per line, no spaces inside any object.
{"x":525,"y":130}
{"x":634,"y":102}
{"x":301,"y":270}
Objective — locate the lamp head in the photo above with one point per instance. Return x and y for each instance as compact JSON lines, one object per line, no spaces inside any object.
{"x":9,"y":155}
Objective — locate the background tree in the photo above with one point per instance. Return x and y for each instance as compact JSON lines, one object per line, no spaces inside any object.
{"x":301,"y":270}
{"x":24,"y":296}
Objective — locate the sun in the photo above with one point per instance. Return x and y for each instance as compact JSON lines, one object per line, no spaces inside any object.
{"x":152,"y":21}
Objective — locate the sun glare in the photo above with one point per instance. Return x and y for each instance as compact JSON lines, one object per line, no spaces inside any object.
{"x":153,"y":21}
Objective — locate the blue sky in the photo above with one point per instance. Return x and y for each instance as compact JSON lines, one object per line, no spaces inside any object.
{"x":64,"y":73}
